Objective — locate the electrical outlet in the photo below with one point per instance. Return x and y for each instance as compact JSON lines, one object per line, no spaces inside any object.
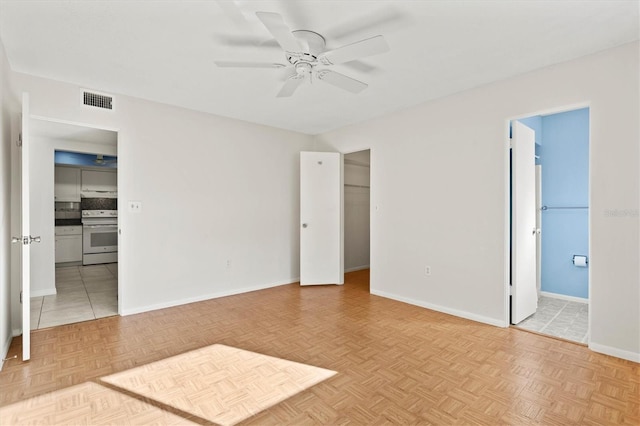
{"x":427,"y":271}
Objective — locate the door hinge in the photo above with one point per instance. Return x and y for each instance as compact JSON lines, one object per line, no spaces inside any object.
{"x":20,"y":296}
{"x":19,"y":142}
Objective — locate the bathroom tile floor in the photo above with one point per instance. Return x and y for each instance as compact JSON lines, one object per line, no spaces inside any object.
{"x":83,"y":293}
{"x":560,"y":318}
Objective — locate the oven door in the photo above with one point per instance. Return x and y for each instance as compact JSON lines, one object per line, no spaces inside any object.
{"x":99,"y":238}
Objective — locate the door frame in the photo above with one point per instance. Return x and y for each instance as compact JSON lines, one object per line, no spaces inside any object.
{"x":507,"y":202}
{"x":371,"y":227}
{"x":16,"y":305}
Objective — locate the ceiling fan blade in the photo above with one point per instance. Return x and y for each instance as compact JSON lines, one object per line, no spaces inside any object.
{"x":360,"y":49}
{"x":342,"y":81}
{"x":232,"y":64}
{"x":290,"y":86}
{"x":279,"y":30}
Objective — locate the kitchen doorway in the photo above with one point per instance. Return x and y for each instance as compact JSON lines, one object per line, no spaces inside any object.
{"x":74,"y":288}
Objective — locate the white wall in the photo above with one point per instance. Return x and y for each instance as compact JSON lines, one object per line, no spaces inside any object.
{"x":356,"y":211}
{"x":212,"y":189}
{"x":5,"y":203}
{"x":440,"y":187}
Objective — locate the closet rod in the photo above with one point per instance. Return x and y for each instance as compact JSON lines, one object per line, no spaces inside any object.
{"x":356,"y":186}
{"x":549,"y":207}
{"x":356,"y":163}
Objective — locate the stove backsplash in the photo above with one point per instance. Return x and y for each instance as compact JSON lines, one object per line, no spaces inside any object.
{"x":99,"y":203}
{"x":67,"y":210}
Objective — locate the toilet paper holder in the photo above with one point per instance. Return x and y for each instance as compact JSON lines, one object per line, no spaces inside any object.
{"x":580,"y":260}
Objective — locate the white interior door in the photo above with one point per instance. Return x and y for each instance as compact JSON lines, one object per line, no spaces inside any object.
{"x":524,"y":297}
{"x":539,"y":228}
{"x":321,"y":218}
{"x":25,"y":295}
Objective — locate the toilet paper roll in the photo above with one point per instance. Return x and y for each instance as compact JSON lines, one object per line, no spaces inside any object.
{"x":579,"y":260}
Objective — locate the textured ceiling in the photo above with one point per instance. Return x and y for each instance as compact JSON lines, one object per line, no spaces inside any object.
{"x":165,"y":50}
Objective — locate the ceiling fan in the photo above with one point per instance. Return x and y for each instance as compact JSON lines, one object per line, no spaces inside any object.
{"x":306,"y":50}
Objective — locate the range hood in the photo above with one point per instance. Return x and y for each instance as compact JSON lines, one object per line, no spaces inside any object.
{"x":98,"y":194}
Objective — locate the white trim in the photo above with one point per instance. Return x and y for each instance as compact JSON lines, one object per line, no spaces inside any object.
{"x":618,"y":353}
{"x":202,"y":298}
{"x":5,"y":351}
{"x":443,"y":309}
{"x":357,"y":268}
{"x":564,"y":297}
{"x":506,"y":296}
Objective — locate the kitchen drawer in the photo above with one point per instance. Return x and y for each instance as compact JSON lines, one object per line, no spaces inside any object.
{"x":69,"y":230}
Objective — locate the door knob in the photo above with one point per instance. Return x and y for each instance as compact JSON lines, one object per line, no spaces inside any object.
{"x":34,"y":239}
{"x":16,"y":240}
{"x":304,"y":225}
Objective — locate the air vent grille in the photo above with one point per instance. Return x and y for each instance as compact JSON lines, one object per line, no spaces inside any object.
{"x":98,"y":101}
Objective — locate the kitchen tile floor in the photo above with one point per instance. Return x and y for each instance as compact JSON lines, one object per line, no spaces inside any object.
{"x":83,"y":293}
{"x":560,"y":318}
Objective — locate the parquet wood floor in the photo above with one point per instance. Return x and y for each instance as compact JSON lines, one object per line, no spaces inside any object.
{"x":88,"y":404}
{"x":218,"y":383}
{"x":395,"y":363}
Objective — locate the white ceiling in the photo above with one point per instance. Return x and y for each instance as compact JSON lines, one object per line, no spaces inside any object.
{"x":165,"y":50}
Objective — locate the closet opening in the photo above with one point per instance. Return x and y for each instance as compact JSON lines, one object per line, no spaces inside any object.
{"x":357,"y":223}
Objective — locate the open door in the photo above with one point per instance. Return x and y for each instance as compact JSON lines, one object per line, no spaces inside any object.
{"x":321,"y":217}
{"x":524,"y":297}
{"x":26,"y":239}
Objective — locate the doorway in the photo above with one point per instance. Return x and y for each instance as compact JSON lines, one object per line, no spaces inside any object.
{"x":562,"y":213}
{"x":69,"y":290}
{"x":357,"y":212}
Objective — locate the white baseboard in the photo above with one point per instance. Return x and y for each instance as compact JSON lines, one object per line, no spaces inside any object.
{"x":5,"y":351}
{"x":618,"y":353}
{"x":44,"y":292}
{"x":356,"y":268}
{"x":455,"y":312}
{"x":564,"y":297}
{"x":170,"y":304}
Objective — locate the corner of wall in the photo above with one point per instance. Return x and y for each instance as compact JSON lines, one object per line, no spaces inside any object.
{"x":6,"y":334}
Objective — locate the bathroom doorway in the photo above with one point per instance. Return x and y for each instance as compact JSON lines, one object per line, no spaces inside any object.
{"x":562,"y":221}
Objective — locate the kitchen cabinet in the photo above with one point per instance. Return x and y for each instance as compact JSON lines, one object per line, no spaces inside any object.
{"x":66,"y":184}
{"x":68,"y":244}
{"x":99,"y":182}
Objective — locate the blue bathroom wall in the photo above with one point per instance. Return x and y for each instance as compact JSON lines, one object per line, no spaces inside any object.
{"x":565,"y":183}
{"x":81,"y":159}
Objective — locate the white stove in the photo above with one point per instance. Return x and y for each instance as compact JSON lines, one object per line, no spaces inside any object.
{"x":92,"y":214}
{"x":99,"y":236}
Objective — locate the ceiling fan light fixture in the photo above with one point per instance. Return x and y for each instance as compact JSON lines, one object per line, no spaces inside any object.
{"x":303,"y":68}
